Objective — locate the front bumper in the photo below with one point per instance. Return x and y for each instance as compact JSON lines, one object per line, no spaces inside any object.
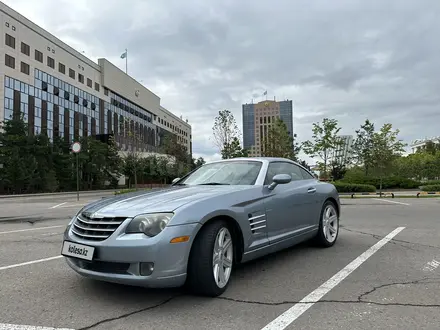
{"x":117,"y":259}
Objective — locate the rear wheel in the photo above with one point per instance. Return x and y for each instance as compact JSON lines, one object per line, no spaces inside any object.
{"x":211,"y":260}
{"x":328,"y":225}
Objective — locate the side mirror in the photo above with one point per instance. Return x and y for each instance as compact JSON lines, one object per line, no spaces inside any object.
{"x":280,"y":179}
{"x":175,"y":180}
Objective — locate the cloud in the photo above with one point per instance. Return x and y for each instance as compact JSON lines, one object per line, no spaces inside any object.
{"x":348,"y":60}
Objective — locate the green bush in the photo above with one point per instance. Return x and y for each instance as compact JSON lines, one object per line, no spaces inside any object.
{"x":431,"y":182}
{"x":431,"y":188}
{"x":392,"y":182}
{"x":344,"y":187}
{"x":124,"y":191}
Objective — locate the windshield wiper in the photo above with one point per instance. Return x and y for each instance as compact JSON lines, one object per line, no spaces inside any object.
{"x":213,"y":184}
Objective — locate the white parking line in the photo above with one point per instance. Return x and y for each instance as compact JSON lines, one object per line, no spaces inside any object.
{"x":5,"y":326}
{"x":289,"y":316}
{"x":387,"y":200}
{"x":30,"y":229}
{"x":74,"y":205}
{"x":30,"y":263}
{"x":58,"y":205}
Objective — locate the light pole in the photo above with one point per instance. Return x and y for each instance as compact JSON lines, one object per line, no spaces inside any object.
{"x":76,"y":148}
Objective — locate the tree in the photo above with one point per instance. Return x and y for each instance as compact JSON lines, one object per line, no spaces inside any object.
{"x":132,"y":160}
{"x":278,"y":142}
{"x":17,"y":155}
{"x":225,"y":129}
{"x":172,"y":147}
{"x":195,"y":163}
{"x":386,"y":149}
{"x":233,"y":150}
{"x":430,"y":147}
{"x":338,"y":170}
{"x":363,"y":146}
{"x":325,"y":141}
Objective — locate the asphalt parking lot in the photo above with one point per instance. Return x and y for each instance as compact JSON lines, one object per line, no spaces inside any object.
{"x":383,"y":273}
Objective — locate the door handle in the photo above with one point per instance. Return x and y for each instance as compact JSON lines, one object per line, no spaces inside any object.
{"x":311,"y":190}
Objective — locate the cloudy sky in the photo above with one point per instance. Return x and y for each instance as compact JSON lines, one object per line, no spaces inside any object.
{"x":344,"y":59}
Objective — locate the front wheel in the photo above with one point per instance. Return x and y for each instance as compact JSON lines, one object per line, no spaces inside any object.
{"x":211,"y":260}
{"x":328,"y":225}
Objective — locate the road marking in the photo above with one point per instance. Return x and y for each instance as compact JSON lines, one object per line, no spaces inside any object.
{"x":30,"y":263}
{"x":289,"y":316}
{"x":58,"y":205}
{"x":74,"y":205}
{"x":5,"y":326}
{"x":432,"y":265}
{"x":30,"y":229}
{"x":387,"y":200}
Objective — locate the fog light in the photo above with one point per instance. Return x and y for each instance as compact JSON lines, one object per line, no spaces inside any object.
{"x":146,"y":268}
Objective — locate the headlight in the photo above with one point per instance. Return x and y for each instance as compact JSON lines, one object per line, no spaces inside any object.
{"x":149,"y":224}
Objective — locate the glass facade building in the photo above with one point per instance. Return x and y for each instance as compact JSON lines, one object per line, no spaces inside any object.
{"x":60,"y":109}
{"x":63,"y":93}
{"x":248,"y":126}
{"x":257,"y":118}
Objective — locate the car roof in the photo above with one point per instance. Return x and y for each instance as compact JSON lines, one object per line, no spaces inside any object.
{"x":261,"y":159}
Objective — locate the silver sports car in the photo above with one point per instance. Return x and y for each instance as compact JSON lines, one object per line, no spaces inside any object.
{"x":195,"y":231}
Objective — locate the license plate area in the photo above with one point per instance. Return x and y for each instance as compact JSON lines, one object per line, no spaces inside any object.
{"x":76,"y":250}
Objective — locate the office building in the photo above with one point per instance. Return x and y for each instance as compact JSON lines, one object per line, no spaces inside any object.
{"x":257,"y":119}
{"x":343,"y":152}
{"x":419,"y":144}
{"x":62,"y":92}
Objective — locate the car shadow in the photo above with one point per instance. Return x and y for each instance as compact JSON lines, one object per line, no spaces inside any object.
{"x":120,"y":294}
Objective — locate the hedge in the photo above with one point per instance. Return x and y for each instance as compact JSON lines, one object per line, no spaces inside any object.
{"x":431,"y":182}
{"x":124,"y":191}
{"x":431,"y":188}
{"x":343,"y":187}
{"x":387,"y":183}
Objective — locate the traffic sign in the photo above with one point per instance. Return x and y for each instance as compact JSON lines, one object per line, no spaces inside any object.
{"x":76,"y":147}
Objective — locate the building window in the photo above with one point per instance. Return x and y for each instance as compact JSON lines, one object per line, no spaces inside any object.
{"x":10,"y":41}
{"x":9,"y":61}
{"x":96,"y":86}
{"x":25,"y":68}
{"x":105,"y":91}
{"x":72,"y":73}
{"x":25,"y":49}
{"x":61,"y":68}
{"x":50,"y":62}
{"x":38,"y":56}
{"x":80,"y":78}
{"x":89,"y":83}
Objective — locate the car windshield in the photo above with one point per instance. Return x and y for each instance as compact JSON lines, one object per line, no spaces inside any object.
{"x":225,"y":173}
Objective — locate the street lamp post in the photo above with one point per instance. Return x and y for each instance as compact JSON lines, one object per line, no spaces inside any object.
{"x":76,"y":148}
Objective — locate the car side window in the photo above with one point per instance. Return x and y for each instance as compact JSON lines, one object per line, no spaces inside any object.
{"x":306,"y":175}
{"x":283,"y":168}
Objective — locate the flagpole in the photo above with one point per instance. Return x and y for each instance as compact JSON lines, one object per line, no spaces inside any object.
{"x":126,"y":61}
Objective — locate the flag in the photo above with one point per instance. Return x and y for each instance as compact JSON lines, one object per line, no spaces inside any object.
{"x":265,"y":93}
{"x":124,"y":54}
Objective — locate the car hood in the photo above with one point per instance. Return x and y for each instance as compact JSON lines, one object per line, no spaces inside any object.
{"x":156,"y":200}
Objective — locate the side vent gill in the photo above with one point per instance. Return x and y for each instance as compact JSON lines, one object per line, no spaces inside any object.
{"x":257,"y":223}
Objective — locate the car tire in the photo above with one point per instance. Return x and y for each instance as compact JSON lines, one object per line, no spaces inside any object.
{"x":201,"y":268}
{"x":328,"y":225}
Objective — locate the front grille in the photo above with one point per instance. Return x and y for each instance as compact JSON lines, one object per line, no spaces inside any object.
{"x":95,"y":229}
{"x":107,"y":267}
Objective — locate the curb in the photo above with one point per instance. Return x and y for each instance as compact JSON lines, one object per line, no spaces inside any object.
{"x":87,"y":192}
